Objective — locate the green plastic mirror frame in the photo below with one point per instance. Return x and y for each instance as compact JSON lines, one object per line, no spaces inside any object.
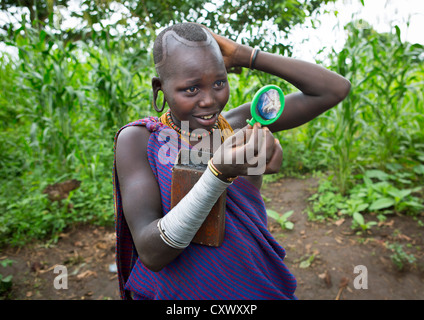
{"x":256,"y":116}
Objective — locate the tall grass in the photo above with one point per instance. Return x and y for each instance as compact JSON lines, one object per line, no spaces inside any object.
{"x":372,"y":142}
{"x":120,"y":73}
{"x":61,"y":104}
{"x":380,"y":122}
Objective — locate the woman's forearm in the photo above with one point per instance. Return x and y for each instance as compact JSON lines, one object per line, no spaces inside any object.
{"x":320,"y":89}
{"x":310,"y":78}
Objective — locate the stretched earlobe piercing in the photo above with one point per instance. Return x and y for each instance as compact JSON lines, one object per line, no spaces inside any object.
{"x":155,"y":95}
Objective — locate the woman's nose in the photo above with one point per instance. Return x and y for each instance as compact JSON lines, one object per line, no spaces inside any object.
{"x":207,"y":100}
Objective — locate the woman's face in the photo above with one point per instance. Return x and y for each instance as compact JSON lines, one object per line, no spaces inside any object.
{"x":196,"y":86}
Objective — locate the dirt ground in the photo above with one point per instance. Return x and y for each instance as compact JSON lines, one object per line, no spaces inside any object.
{"x":322,"y":256}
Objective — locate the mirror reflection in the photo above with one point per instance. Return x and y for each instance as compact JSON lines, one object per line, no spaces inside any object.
{"x":269,"y":104}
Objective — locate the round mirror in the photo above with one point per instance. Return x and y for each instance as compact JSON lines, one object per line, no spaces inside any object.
{"x":267,"y":105}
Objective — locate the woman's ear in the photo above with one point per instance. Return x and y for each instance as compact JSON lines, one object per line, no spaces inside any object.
{"x":156,"y":83}
{"x":157,"y":86}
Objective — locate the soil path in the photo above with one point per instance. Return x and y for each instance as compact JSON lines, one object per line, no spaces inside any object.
{"x":322,"y":256}
{"x":334,"y":251}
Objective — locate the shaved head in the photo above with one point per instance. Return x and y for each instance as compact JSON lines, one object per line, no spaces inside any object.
{"x":190,"y":35}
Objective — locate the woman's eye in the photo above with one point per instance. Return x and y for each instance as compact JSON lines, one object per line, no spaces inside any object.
{"x":219,"y":83}
{"x":191,"y":90}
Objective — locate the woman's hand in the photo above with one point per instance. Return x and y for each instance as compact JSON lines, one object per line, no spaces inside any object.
{"x":235,"y":55}
{"x":229,"y":50}
{"x":250,"y":151}
{"x":274,"y":153}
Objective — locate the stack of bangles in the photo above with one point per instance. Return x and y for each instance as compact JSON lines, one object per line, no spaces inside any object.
{"x":168,"y":240}
{"x":253,"y":58}
{"x":179,"y":226}
{"x":219,"y":174}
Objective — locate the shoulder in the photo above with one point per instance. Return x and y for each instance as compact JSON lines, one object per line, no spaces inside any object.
{"x":132,"y":136}
{"x":131,"y":147}
{"x":237,"y":117}
{"x":131,"y":154}
{"x":139,"y":129}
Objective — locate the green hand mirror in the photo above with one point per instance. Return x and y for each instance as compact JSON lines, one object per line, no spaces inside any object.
{"x":267,"y":105}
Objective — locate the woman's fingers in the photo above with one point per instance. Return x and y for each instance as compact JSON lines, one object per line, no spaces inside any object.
{"x":250,"y":147}
{"x":270,"y":144}
{"x":266,"y":153}
{"x":274,"y":163}
{"x":255,"y":151}
{"x":251,"y":151}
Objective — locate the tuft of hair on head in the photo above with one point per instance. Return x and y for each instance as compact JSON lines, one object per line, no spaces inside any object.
{"x":188,"y":31}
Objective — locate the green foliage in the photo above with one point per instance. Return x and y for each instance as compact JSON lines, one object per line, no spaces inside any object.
{"x":58,"y":126}
{"x":256,"y":23}
{"x":281,"y":219}
{"x":5,"y":281}
{"x":49,"y":74}
{"x":383,"y":194}
{"x":399,"y":257}
{"x":67,"y":92}
{"x":259,"y":23}
{"x":372,"y":142}
{"x":307,"y":261}
{"x":381,"y":120}
{"x":375,"y":191}
{"x":120,"y":74}
{"x":359,"y":221}
{"x":326,"y":202}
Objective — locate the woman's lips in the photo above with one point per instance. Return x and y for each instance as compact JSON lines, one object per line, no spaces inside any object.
{"x":207,"y":120}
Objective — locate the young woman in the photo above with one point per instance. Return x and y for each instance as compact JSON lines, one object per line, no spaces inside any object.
{"x":155,"y":256}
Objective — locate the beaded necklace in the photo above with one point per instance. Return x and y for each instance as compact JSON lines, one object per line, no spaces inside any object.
{"x":188,"y":133}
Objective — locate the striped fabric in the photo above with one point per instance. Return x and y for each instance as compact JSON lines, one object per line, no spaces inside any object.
{"x":248,"y":265}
